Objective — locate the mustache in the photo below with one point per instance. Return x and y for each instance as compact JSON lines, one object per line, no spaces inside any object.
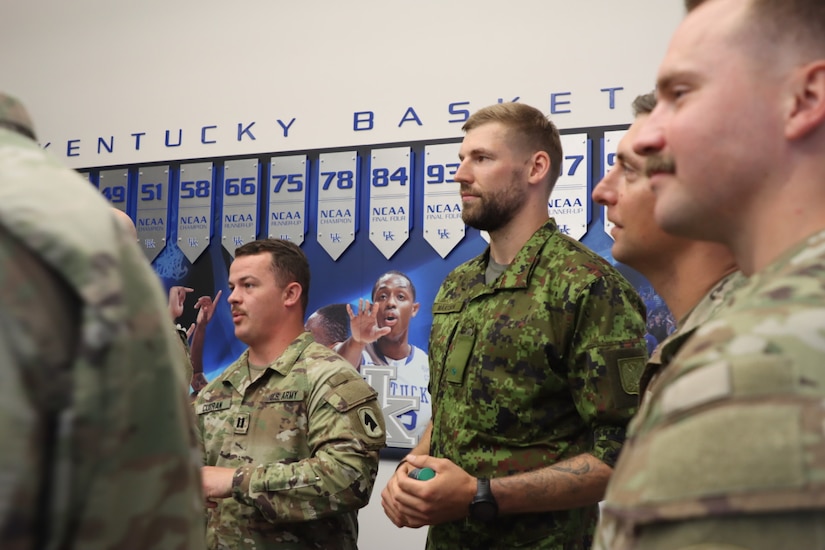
{"x":657,"y":164}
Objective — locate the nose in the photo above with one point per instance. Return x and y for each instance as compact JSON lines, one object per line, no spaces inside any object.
{"x":462,"y":175}
{"x":650,"y":138}
{"x":233,"y":297}
{"x":605,"y":191}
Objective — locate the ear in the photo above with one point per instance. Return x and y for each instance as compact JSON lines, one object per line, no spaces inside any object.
{"x":539,"y":167}
{"x":808,"y":102}
{"x":415,"y":309}
{"x":292,"y":293}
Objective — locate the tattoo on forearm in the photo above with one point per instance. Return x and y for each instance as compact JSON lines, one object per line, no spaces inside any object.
{"x":571,"y":478}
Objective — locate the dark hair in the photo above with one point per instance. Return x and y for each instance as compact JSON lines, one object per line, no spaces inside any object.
{"x":334,"y":322}
{"x":644,"y":104}
{"x":289,"y":263}
{"x":393,"y":272}
{"x":536,"y":131}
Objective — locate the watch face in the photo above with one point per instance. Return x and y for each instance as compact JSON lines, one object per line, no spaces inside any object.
{"x":484,"y":510}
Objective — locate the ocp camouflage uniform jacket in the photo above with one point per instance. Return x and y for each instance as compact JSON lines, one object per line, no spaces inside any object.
{"x":304,"y":438}
{"x":538,"y":367}
{"x":98,"y":444}
{"x":707,"y":308}
{"x":734,"y":426}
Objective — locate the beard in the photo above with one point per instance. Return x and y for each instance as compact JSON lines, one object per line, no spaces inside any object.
{"x":495,"y":209}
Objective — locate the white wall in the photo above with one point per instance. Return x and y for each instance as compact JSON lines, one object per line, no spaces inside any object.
{"x":90,"y":69}
{"x":376,"y":531}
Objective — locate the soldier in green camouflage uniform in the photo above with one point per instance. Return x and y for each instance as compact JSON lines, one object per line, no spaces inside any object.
{"x":290,"y":430}
{"x":98,"y":448}
{"x":729,"y":450}
{"x":535,"y":351}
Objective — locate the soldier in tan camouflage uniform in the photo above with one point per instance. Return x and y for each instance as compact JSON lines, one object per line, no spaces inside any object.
{"x":692,"y":277}
{"x":290,"y":430}
{"x":535,"y":352}
{"x":729,"y":451}
{"x":98,"y":449}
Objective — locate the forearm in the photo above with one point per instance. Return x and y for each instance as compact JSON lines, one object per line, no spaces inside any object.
{"x":331,"y":482}
{"x":423,"y":447}
{"x":351,"y":350}
{"x":196,"y":347}
{"x":573,"y":483}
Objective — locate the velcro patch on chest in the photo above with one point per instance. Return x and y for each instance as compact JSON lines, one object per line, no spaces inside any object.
{"x":214,"y":406}
{"x":447,"y":307}
{"x":285,"y":395}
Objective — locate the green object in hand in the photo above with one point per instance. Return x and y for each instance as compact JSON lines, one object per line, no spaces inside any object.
{"x":422,"y":474}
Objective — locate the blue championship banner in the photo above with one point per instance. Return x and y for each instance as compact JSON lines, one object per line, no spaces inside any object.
{"x":286,"y":214}
{"x":114,"y":185}
{"x":337,"y":174}
{"x":610,"y":143}
{"x":152,"y":217}
{"x":240,"y":203}
{"x":571,"y":196}
{"x":443,"y":226}
{"x":390,"y":183}
{"x":195,"y":208}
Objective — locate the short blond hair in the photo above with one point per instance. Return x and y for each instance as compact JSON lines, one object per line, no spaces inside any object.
{"x":537,"y":132}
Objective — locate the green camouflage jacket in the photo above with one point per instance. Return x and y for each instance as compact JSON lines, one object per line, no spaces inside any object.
{"x":538,"y":367}
{"x":735,"y":422}
{"x":304,"y":438}
{"x":98,"y":447}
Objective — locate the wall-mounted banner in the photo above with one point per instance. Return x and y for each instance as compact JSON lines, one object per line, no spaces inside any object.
{"x":240,"y":203}
{"x":152,"y":216}
{"x":610,"y":143}
{"x":443,"y":226}
{"x":195,"y":208}
{"x":337,"y":174}
{"x":570,"y":197}
{"x":390,"y":178}
{"x":114,"y":185}
{"x":286,"y":217}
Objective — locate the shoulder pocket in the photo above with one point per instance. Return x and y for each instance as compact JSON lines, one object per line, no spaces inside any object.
{"x":624,"y":369}
{"x":346,"y":392}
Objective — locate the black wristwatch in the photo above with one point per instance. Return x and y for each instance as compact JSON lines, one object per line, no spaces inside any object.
{"x":484,"y":506}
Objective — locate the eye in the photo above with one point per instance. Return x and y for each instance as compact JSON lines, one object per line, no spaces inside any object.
{"x":674,"y":92}
{"x":630,"y":173}
{"x":679,"y":92}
